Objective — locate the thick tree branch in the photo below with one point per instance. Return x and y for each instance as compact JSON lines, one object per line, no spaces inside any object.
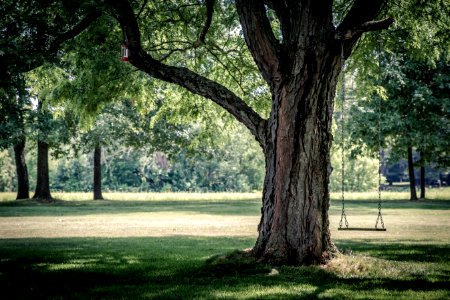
{"x":184,"y":77}
{"x":362,"y":11}
{"x":47,"y":51}
{"x":365,"y":27}
{"x":360,"y":18}
{"x":259,"y":37}
{"x":74,"y":31}
{"x":209,"y":14}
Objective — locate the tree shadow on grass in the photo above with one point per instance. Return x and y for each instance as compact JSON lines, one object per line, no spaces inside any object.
{"x":188,"y":268}
{"x":406,"y":251}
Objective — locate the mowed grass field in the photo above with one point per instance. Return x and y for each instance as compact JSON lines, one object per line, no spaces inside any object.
{"x":180,"y":246}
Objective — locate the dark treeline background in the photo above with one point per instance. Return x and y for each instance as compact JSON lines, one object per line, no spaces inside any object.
{"x":237,"y":165}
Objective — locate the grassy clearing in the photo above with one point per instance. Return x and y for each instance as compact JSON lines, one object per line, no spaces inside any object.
{"x":154,"y":247}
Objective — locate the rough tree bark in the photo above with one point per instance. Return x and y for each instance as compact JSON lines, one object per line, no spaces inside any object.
{"x":98,"y":173}
{"x":42,"y":192}
{"x":23,"y":186}
{"x":412,"y":177}
{"x":302,"y":71}
{"x":294,"y":226}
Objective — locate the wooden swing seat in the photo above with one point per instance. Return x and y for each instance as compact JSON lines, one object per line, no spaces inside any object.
{"x":362,"y":229}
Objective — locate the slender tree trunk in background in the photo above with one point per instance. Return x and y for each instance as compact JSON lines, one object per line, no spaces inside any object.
{"x":42,"y":192}
{"x":422,"y":182}
{"x":23,"y":186}
{"x":98,"y":173}
{"x":412,"y":177}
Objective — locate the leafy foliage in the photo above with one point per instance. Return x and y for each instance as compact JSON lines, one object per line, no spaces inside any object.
{"x":223,"y":57}
{"x":7,"y":174}
{"x":405,"y":81}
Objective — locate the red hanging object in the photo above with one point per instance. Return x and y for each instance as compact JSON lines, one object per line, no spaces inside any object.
{"x":123,"y":52}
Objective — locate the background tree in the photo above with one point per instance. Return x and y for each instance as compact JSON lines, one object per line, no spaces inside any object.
{"x":15,"y":111}
{"x":118,"y":124}
{"x":49,"y":130}
{"x":94,"y":76}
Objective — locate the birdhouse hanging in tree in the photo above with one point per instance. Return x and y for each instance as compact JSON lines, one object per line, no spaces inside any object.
{"x":124,"y":47}
{"x":124,"y":52}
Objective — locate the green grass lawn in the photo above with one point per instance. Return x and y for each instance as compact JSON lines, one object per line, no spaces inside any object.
{"x":180,"y":246}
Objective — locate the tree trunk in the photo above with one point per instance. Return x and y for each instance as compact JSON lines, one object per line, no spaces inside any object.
{"x":422,"y":182}
{"x":294,"y":227}
{"x":42,"y":192}
{"x":412,"y":177}
{"x":23,"y":186}
{"x":98,"y":173}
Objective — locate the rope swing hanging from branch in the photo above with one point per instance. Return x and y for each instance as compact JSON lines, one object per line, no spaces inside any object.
{"x":343,"y":224}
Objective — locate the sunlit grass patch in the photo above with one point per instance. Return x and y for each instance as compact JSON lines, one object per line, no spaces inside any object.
{"x":258,"y":291}
{"x":402,"y":279}
{"x":150,"y":196}
{"x":349,"y":265}
{"x":7,"y":196}
{"x":173,"y":196}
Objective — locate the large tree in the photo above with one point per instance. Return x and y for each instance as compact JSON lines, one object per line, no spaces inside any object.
{"x":50,"y":129}
{"x":298,"y":47}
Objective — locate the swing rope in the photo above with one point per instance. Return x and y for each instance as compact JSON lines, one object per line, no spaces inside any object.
{"x":343,"y":215}
{"x":380,"y":149}
{"x":343,"y":220}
